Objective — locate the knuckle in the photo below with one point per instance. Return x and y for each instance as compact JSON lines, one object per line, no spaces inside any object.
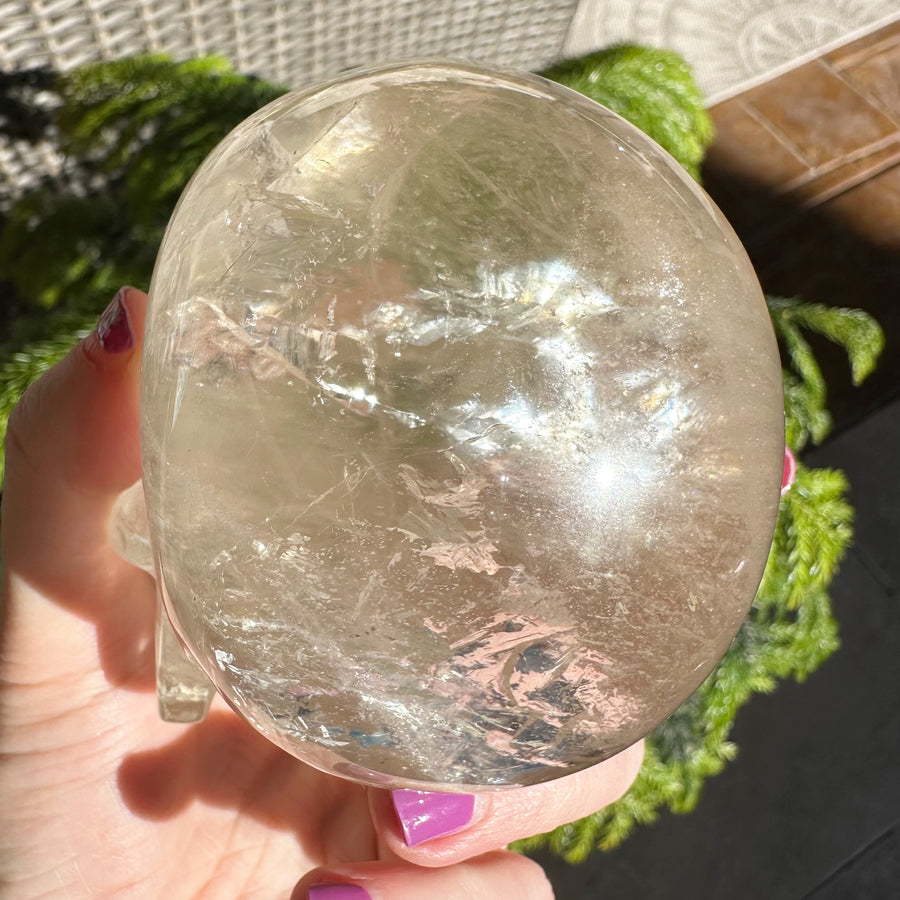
{"x":21,"y":426}
{"x":30,"y":426}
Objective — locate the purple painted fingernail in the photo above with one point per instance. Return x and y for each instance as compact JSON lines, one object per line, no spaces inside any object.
{"x":789,"y":473}
{"x":336,"y":892}
{"x":114,"y":328}
{"x":425,"y":815}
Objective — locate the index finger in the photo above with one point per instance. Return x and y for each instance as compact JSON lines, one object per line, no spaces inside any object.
{"x":71,"y":447}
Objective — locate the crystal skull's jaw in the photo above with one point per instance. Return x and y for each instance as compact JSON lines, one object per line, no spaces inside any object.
{"x":459,"y":408}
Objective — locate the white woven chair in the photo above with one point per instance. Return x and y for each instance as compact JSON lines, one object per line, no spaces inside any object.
{"x":289,"y":42}
{"x":293,"y":42}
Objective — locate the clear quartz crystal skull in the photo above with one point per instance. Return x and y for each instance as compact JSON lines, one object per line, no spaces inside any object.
{"x":462,"y":430}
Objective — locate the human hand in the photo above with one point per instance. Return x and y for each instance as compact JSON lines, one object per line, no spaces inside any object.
{"x":99,"y":798}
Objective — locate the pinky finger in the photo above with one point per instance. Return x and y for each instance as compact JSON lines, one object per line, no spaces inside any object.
{"x":497,"y":874}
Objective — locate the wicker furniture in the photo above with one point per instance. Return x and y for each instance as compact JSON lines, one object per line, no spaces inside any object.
{"x":291,"y":42}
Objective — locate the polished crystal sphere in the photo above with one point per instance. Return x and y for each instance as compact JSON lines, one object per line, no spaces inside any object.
{"x":462,"y":427}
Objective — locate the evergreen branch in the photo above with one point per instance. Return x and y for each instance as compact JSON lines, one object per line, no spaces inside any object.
{"x":652,"y":89}
{"x":47,"y":219}
{"x":111,"y":109}
{"x":855,"y":330}
{"x":135,"y":130}
{"x":65,"y":255}
{"x":103,"y":101}
{"x":818,"y":525}
{"x":807,"y":416}
{"x":804,"y":363}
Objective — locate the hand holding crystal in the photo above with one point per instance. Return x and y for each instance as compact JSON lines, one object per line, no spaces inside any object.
{"x":461,"y":429}
{"x":101,"y":799}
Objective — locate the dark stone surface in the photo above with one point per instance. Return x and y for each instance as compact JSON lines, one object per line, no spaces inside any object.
{"x":873,"y":874}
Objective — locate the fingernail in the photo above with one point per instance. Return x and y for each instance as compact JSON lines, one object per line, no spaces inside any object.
{"x":114,"y":328}
{"x":336,"y":892}
{"x":425,"y":815}
{"x":789,"y":472}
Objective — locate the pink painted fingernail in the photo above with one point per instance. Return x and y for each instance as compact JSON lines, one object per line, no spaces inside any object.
{"x":336,"y":892}
{"x":425,"y":815}
{"x":114,"y":328}
{"x":790,"y":471}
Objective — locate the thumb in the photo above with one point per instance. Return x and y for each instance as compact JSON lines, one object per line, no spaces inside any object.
{"x":72,"y":446}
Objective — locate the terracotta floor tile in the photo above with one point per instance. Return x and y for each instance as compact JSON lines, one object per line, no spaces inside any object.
{"x":866,"y":46}
{"x":744,"y":145}
{"x":812,"y":191}
{"x":823,"y":119}
{"x":828,"y":231}
{"x":872,"y":210}
{"x":878,"y":77}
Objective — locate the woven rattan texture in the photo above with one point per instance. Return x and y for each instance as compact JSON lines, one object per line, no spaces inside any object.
{"x":291,"y":42}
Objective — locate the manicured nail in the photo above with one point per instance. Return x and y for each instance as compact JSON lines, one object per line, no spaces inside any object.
{"x":789,"y":472}
{"x":114,"y":328}
{"x":425,"y":815}
{"x":336,"y":892}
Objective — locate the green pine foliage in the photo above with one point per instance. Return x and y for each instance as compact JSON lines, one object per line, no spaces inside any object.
{"x":134,"y":131}
{"x":804,"y":385}
{"x":653,"y":89}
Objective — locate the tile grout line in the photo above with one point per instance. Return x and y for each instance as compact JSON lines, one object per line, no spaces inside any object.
{"x":794,"y":189}
{"x":818,"y":170}
{"x":853,"y":156}
{"x":767,"y":124}
{"x":862,"y":93}
{"x":879,"y":46}
{"x":852,"y":859}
